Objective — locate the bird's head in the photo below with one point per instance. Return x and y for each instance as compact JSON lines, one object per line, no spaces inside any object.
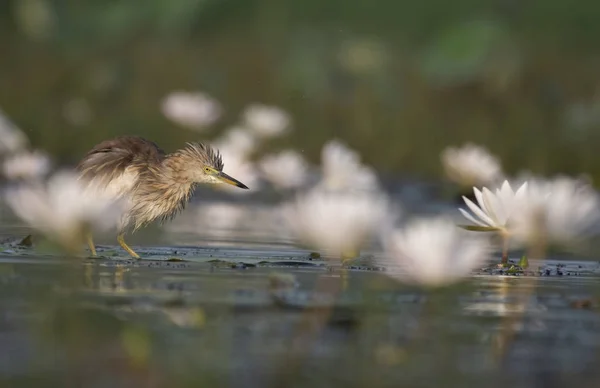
{"x":200,"y":163}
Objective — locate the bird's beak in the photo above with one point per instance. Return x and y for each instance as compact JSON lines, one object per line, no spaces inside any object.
{"x":232,"y":181}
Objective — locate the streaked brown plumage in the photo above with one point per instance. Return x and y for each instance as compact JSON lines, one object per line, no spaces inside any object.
{"x":156,"y":185}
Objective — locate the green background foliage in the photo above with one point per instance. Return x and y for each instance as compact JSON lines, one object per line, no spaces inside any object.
{"x":398,"y":81}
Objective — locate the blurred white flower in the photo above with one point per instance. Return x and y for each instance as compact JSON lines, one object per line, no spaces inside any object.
{"x":238,"y":140}
{"x":12,"y":139}
{"x":241,"y":169}
{"x":434,"y":252}
{"x":494,"y":210}
{"x":286,"y":170}
{"x":235,"y":222}
{"x":62,"y":209}
{"x":338,"y":222}
{"x":26,"y":165}
{"x":581,"y":180}
{"x":192,"y":110}
{"x":561,"y":210}
{"x":266,"y":121}
{"x":471,"y":165}
{"x":221,"y":217}
{"x":342,"y":169}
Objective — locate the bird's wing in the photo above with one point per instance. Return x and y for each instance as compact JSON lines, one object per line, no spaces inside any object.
{"x":117,"y":159}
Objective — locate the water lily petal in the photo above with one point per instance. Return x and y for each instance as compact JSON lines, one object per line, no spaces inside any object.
{"x":480,"y":201}
{"x":470,"y":217}
{"x":492,"y":204}
{"x":521,"y":190}
{"x":478,"y":212}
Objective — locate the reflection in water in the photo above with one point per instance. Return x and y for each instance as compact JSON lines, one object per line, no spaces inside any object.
{"x":500,"y":300}
{"x":105,"y":280}
{"x":211,"y":325}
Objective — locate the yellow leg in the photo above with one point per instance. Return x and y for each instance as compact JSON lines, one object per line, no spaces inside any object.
{"x":90,"y":242}
{"x":124,"y":245}
{"x":347,"y":257}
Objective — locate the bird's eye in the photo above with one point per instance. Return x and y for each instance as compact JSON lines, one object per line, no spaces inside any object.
{"x":207,"y":170}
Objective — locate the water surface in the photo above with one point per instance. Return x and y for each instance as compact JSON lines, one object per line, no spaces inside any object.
{"x":239,"y":309}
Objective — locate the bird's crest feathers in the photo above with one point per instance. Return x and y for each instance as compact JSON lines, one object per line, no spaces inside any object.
{"x":206,"y":153}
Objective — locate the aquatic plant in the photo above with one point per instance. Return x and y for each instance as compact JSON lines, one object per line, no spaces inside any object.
{"x":191,"y":110}
{"x":337,"y":222}
{"x":435,"y":252}
{"x":493,"y":211}
{"x":266,"y":121}
{"x":239,"y":140}
{"x":62,"y":209}
{"x":342,"y":169}
{"x":218,"y":218}
{"x":26,"y":165}
{"x":471,"y":165}
{"x":561,"y":211}
{"x":12,"y":139}
{"x":285,"y":170}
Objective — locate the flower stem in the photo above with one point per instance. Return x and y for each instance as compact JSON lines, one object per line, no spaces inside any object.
{"x":507,"y":334}
{"x":505,"y":248}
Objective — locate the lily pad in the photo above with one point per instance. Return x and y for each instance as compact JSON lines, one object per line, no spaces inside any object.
{"x":26,"y":242}
{"x":524,"y":263}
{"x":478,"y":228}
{"x":175,"y":259}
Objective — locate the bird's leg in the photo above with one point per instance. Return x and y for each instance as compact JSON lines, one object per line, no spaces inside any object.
{"x":90,"y":242}
{"x":347,"y":257}
{"x":123,"y":244}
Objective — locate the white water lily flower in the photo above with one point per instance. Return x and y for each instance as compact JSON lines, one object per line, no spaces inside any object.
{"x":12,"y":139}
{"x":221,"y":217}
{"x":286,"y":170}
{"x":343,"y":170}
{"x":266,"y":121}
{"x":561,"y":210}
{"x":26,"y":165}
{"x":62,"y":209}
{"x":337,"y":222}
{"x":494,"y":210}
{"x":238,"y":140}
{"x":471,"y":165}
{"x":192,"y":110}
{"x":434,"y":252}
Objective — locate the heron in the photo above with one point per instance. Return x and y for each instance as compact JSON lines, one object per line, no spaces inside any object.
{"x":153,"y":184}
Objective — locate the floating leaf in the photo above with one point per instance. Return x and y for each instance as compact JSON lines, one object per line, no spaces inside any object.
{"x":524,"y":263}
{"x":26,"y":242}
{"x":478,"y":228}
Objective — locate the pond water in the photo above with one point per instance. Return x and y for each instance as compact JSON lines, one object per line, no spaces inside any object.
{"x":237,"y":305}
